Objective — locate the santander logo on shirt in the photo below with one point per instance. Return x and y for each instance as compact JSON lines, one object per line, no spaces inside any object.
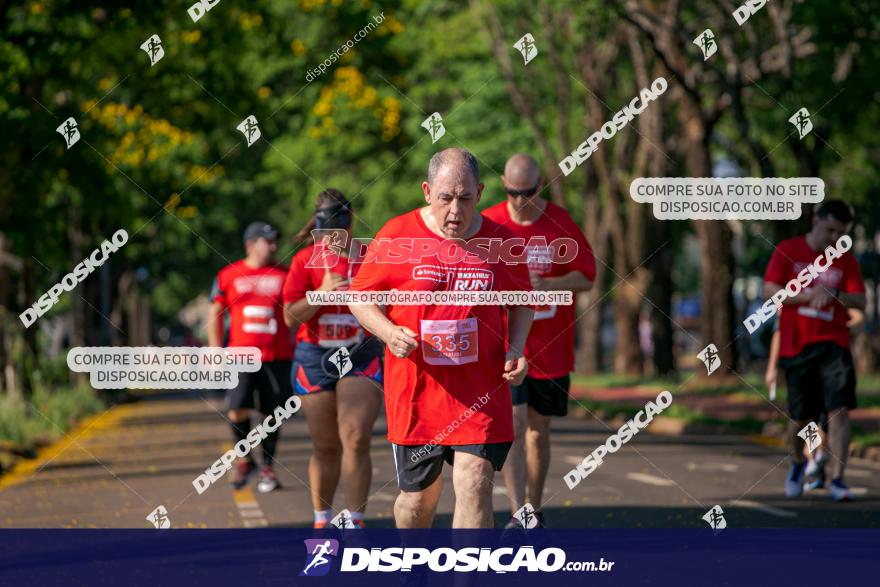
{"x":456,"y":278}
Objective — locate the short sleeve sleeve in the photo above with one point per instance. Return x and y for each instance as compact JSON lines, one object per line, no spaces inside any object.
{"x":298,"y":280}
{"x":778,"y":269}
{"x":584,"y":261}
{"x":371,"y":276}
{"x":852,"y":281}
{"x":218,"y":291}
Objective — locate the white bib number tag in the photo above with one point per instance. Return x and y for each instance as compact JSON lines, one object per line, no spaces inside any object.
{"x":259,"y":320}
{"x":338,"y":330}
{"x":827,"y":315}
{"x":449,"y":342}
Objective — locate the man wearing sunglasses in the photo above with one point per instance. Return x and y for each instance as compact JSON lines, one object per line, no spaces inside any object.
{"x":550,"y":345}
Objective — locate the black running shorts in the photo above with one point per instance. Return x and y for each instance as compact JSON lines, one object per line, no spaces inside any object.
{"x":418,"y":466}
{"x":548,"y":397}
{"x":821,"y":378}
{"x":271,"y":386}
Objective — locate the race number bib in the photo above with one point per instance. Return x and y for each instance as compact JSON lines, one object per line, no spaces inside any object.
{"x":827,"y":315}
{"x":338,"y":330}
{"x":449,"y":342}
{"x":259,"y":320}
{"x":544,"y":312}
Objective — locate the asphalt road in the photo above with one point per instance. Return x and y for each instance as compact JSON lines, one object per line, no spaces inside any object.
{"x":117,"y":467}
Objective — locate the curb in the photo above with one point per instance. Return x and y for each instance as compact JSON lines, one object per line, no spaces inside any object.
{"x":772,"y":433}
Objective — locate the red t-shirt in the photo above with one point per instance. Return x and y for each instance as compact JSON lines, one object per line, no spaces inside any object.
{"x":799,"y":324}
{"x":331,"y":326}
{"x":462,"y":350}
{"x":550,"y":346}
{"x":253,"y":299}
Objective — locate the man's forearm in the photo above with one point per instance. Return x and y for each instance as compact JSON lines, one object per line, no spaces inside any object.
{"x":520,"y":321}
{"x":803,"y":296}
{"x":298,"y":312}
{"x":573,"y":281}
{"x":372,"y":319}
{"x":852,"y":300}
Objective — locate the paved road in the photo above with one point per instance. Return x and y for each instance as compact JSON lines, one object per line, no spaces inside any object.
{"x":117,"y":467}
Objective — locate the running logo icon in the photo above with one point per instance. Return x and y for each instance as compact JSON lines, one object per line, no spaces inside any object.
{"x":343,"y":519}
{"x":710,"y":358}
{"x":69,"y":131}
{"x":526,"y":516}
{"x":801,"y":121}
{"x":706,"y":43}
{"x":341,"y":359}
{"x":250,"y":130}
{"x":159,"y":518}
{"x":318,"y":551}
{"x":434,"y":125}
{"x":334,"y":242}
{"x":810,"y":434}
{"x":153,"y":48}
{"x":526,"y":46}
{"x":715,"y":518}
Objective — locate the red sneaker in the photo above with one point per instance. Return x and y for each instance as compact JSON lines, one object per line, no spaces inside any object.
{"x":243,"y":470}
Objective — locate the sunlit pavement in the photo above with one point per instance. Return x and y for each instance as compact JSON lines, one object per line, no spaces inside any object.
{"x":117,"y":467}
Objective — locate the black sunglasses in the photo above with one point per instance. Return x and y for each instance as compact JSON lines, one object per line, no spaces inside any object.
{"x":526,"y":193}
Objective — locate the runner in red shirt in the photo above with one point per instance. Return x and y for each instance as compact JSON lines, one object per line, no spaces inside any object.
{"x":814,"y":340}
{"x":337,"y":367}
{"x":550,"y":347}
{"x":447,"y":373}
{"x":250,"y":291}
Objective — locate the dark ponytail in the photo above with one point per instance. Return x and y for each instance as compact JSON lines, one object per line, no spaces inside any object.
{"x":328,"y":197}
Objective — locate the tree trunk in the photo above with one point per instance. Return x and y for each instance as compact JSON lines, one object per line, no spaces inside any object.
{"x":589,"y":352}
{"x":660,"y":293}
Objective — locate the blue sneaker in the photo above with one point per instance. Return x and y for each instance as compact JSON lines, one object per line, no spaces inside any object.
{"x":839,"y":491}
{"x":817,"y":482}
{"x":794,"y":483}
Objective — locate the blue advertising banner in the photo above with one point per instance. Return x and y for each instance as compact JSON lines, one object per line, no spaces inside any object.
{"x":280,"y":556}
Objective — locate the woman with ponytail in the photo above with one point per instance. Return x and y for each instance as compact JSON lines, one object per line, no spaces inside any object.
{"x":340,"y":395}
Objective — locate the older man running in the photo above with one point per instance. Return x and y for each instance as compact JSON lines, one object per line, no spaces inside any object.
{"x":447,"y":375}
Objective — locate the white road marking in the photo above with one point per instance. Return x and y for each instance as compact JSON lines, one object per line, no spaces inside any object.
{"x":767,"y":509}
{"x":725,"y":467}
{"x":650,"y":479}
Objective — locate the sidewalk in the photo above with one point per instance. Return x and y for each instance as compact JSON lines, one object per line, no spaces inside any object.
{"x":750,"y":404}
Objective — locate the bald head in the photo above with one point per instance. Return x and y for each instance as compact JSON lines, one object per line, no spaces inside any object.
{"x":521,"y":171}
{"x":452,"y":192}
{"x":454,"y":162}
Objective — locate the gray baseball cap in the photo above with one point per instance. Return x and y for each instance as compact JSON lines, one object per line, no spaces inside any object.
{"x":256,"y":230}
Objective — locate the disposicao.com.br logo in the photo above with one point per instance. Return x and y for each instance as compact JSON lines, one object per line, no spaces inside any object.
{"x":443,"y":559}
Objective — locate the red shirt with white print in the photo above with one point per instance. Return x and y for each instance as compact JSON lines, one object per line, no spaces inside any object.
{"x":460,"y":359}
{"x":331,"y":326}
{"x":252,"y":296}
{"x":801,"y":325}
{"x":550,"y":346}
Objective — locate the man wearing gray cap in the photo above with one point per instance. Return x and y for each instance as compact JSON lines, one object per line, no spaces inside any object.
{"x":250,"y":290}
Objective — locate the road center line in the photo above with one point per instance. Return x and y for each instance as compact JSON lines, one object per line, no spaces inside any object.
{"x":650,"y":479}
